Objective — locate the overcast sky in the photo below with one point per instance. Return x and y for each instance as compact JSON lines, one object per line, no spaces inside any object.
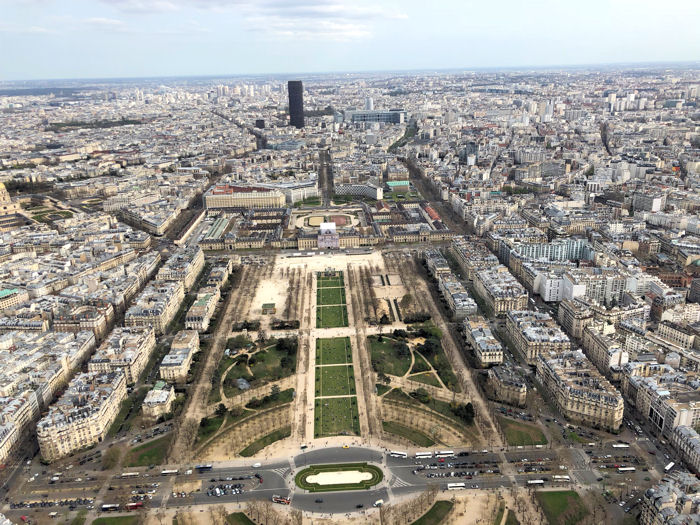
{"x":131,"y":38}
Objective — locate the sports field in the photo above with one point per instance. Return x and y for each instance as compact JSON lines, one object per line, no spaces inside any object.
{"x":334,"y":351}
{"x":336,"y":416}
{"x":335,"y":380}
{"x":331,"y":316}
{"x":330,"y":296}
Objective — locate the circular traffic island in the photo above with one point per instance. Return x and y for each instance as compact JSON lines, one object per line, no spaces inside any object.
{"x":344,"y":476}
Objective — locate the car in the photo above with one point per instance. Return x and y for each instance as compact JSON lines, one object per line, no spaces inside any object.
{"x":319,"y":500}
{"x":359,"y":506}
{"x":346,"y":446}
{"x":257,"y":465}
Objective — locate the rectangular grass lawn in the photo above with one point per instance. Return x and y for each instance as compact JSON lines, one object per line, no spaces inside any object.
{"x":151,"y":453}
{"x":335,"y":380}
{"x":562,"y":507}
{"x":336,"y":416}
{"x":330,"y":282}
{"x":331,"y":296}
{"x":333,"y":351}
{"x":518,"y":434}
{"x":331,"y":316}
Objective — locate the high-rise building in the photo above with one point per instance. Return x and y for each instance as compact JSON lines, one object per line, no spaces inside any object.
{"x":296,"y":103}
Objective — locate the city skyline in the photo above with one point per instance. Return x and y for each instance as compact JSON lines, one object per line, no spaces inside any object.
{"x":132,"y":38}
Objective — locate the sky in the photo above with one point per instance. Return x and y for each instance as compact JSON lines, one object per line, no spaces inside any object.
{"x":44,"y":39}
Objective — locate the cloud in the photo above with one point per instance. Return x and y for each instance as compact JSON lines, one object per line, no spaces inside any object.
{"x":305,"y":19}
{"x":25,"y":30}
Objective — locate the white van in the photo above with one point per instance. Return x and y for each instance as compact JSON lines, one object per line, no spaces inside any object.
{"x":378,"y":503}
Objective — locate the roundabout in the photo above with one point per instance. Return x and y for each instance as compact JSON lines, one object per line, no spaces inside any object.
{"x":337,"y":477}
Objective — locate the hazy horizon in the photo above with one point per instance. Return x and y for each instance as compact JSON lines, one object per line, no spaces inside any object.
{"x":107,"y":39}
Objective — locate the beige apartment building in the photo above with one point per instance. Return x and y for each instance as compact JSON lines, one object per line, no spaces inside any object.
{"x":127,"y":349}
{"x":201,"y":311}
{"x":158,"y":401}
{"x":580,"y":392}
{"x":156,"y":306}
{"x":506,"y":386}
{"x":500,"y":290}
{"x":534,"y":334}
{"x":184,"y":265}
{"x":176,"y":363}
{"x":477,"y":334}
{"x":82,"y":415}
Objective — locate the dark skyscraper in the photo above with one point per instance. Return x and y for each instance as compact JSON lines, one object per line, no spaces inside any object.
{"x":296,"y":103}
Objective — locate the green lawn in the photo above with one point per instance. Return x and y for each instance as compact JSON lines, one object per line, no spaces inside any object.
{"x":436,"y":514}
{"x":330,"y":296}
{"x":336,"y":416}
{"x":331,"y":316}
{"x":211,"y":426}
{"x":414,"y":436}
{"x":518,"y":433}
{"x":419,"y":364}
{"x":335,"y":380}
{"x":385,"y":356}
{"x":258,"y":445}
{"x":573,"y":436}
{"x":382,"y":389}
{"x":562,"y":507}
{"x":267,"y":364}
{"x":151,"y":453}
{"x":511,"y":519}
{"x":80,"y":518}
{"x":330,"y":282}
{"x":117,"y":520}
{"x":499,"y":514}
{"x":333,"y":351}
{"x":427,"y":378}
{"x":238,"y":518}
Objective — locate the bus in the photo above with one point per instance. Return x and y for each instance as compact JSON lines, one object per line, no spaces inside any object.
{"x":135,"y":505}
{"x":203,"y":468}
{"x":280,"y":500}
{"x":620,"y":445}
{"x":110,"y":507}
{"x":444,"y":454}
{"x":424,"y":455}
{"x":535,"y":482}
{"x":456,"y":486}
{"x":398,"y":454}
{"x":166,"y":472}
{"x":626,"y":469}
{"x":668,"y":467}
{"x":130,"y":475}
{"x":561,"y":479}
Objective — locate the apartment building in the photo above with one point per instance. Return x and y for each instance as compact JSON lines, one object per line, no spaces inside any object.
{"x":201,"y":311}
{"x":507,"y":386}
{"x":177,"y":361}
{"x":477,"y":334}
{"x":82,"y":415}
{"x":184,"y":265}
{"x":604,"y":352}
{"x":677,"y":334}
{"x":472,"y":256}
{"x":436,"y":263}
{"x":126,"y":349}
{"x":574,"y":315}
{"x":535,"y":333}
{"x":156,"y":306}
{"x":674,"y":500}
{"x":456,"y":296}
{"x":500,"y":290}
{"x":158,"y":401}
{"x":580,"y":392}
{"x":10,"y":297}
{"x":686,"y":441}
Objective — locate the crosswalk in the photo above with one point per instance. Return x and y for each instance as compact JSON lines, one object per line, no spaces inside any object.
{"x":397,"y":482}
{"x":282,"y":471}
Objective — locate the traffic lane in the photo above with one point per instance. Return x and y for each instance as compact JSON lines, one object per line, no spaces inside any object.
{"x":337,"y":455}
{"x":339,"y":502}
{"x":232,"y":472}
{"x":201,"y":498}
